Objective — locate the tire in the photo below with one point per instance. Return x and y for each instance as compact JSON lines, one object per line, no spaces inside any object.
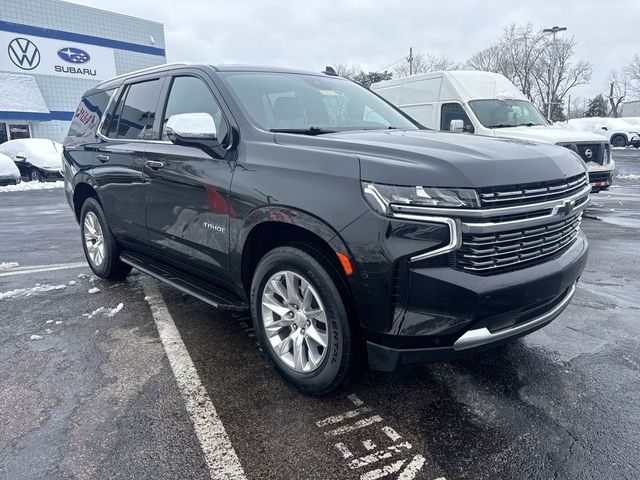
{"x":317,"y":370}
{"x":618,"y":141}
{"x":94,"y":228}
{"x":35,"y":175}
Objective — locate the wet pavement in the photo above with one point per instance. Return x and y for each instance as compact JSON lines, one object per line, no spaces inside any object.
{"x":96,"y":396}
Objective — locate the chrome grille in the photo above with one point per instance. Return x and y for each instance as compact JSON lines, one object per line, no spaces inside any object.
{"x":590,"y":152}
{"x":512,"y":249}
{"x":531,"y":192}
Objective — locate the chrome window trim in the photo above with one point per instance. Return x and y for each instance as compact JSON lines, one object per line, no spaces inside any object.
{"x":482,"y":336}
{"x":455,"y":238}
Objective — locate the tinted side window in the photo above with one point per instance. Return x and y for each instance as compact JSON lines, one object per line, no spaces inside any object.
{"x":87,"y":116}
{"x":191,"y":95}
{"x":454,"y":111}
{"x":136,"y":112}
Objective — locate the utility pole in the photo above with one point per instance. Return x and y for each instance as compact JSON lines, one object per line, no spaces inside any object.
{"x":569,"y":108}
{"x":410,"y":60}
{"x":553,"y":30}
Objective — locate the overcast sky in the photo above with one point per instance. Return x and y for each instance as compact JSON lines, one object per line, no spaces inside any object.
{"x":310,"y":34}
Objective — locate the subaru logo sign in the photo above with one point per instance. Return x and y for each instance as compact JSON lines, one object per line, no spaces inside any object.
{"x":23,"y":53}
{"x":588,"y":153}
{"x":73,"y":55}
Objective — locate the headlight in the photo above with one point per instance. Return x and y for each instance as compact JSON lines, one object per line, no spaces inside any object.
{"x":380,"y":196}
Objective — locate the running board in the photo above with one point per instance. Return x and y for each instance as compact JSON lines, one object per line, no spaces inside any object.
{"x":186,"y":283}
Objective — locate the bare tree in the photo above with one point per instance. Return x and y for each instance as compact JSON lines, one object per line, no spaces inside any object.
{"x":566,"y":74}
{"x":523,"y":55}
{"x":633,"y":74}
{"x":347,"y":71}
{"x":618,"y":85}
{"x":424,"y":63}
{"x":577,"y":107}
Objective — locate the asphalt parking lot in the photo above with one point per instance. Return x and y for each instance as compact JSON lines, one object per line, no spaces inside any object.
{"x":87,"y":389}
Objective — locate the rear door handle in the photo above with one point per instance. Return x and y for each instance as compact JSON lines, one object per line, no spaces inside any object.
{"x":102,"y":158}
{"x":154,"y":165}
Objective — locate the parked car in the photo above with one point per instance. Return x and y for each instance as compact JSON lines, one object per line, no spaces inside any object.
{"x":631,"y":120}
{"x":334,"y":218}
{"x":38,"y":159}
{"x":9,"y":173}
{"x":620,"y":132}
{"x":487,"y":103}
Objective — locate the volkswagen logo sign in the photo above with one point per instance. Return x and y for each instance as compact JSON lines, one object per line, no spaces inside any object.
{"x":73,"y":55}
{"x":588,"y":153}
{"x":23,"y":53}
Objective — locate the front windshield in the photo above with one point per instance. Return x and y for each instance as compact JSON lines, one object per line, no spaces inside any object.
{"x":311,"y":103}
{"x":494,"y":113}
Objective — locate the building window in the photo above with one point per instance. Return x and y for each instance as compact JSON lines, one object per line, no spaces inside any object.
{"x":19,"y":131}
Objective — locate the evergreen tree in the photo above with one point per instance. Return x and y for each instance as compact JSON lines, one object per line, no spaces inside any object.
{"x":596,"y":107}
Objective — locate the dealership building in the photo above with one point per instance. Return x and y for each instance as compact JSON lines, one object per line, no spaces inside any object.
{"x":51,"y":52}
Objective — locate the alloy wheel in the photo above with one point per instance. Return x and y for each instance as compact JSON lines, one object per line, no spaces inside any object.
{"x":94,"y":239}
{"x":295,"y":321}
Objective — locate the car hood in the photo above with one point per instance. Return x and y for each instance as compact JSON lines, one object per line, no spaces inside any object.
{"x":544,"y":134}
{"x":426,"y":157}
{"x":8,"y":169}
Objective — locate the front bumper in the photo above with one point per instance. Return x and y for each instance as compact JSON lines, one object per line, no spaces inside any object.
{"x":449,"y":313}
{"x":600,"y":180}
{"x":9,"y":180}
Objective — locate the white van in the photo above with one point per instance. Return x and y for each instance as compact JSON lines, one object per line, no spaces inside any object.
{"x":487,"y":103}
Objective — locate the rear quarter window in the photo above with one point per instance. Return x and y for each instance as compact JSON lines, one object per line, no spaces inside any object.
{"x":87,"y":117}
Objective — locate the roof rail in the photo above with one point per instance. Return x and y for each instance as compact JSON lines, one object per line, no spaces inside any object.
{"x":144,"y":70}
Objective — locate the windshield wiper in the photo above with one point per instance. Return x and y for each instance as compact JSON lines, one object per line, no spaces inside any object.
{"x":501,"y":125}
{"x":303,"y":131}
{"x":530,"y":124}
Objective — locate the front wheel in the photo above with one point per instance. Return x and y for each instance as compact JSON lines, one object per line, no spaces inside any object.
{"x":100,"y":247}
{"x":618,"y":141}
{"x":301,"y":321}
{"x":35,"y":175}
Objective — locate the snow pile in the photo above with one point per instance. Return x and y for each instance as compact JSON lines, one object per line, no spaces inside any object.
{"x":7,"y":167}
{"x":630,"y":176}
{"x":106,"y":311}
{"x":20,"y":93}
{"x":36,"y":337}
{"x":8,"y":265}
{"x":39,"y":152}
{"x":27,"y":292}
{"x":94,"y":290}
{"x":28,"y":186}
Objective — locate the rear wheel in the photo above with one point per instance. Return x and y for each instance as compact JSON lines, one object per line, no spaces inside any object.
{"x":300,"y":319}
{"x":618,"y":141}
{"x":35,"y":175}
{"x":100,"y":247}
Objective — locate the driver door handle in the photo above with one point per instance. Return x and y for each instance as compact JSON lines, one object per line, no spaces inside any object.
{"x":154,"y":165}
{"x":102,"y":158}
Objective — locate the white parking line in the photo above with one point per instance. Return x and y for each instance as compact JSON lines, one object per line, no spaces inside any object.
{"x":219,"y":453}
{"x":42,"y":268}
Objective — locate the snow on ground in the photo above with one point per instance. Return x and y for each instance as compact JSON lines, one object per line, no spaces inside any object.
{"x":94,"y":290}
{"x":27,"y":292}
{"x":630,"y":176}
{"x":106,"y":311}
{"x":29,"y":186}
{"x":8,"y":265}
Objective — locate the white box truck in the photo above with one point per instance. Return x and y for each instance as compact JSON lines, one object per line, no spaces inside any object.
{"x":488,"y":104}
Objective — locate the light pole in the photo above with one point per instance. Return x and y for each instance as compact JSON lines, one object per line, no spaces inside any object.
{"x":553,"y":30}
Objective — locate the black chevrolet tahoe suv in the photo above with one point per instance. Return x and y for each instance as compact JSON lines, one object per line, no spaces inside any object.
{"x":341,"y":224}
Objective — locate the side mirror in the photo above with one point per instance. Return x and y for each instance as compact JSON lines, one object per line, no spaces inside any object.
{"x":21,"y":157}
{"x":456,"y":126}
{"x":192,"y":129}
